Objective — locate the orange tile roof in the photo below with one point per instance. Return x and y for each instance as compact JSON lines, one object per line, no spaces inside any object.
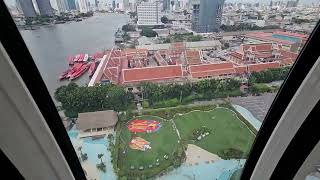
{"x":237,"y":55}
{"x":288,"y":54}
{"x":210,"y":67}
{"x":213,"y":73}
{"x":256,"y":47}
{"x":241,"y":69}
{"x":262,"y":66}
{"x":160,"y":59}
{"x":193,"y":57}
{"x":151,"y":74}
{"x":217,"y":69}
{"x":286,"y":61}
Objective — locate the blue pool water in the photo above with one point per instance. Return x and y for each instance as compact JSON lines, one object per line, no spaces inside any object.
{"x":220,"y":170}
{"x":93,"y":148}
{"x":286,"y":38}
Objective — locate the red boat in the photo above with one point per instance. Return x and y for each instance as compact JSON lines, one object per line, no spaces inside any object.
{"x":71,"y":60}
{"x":64,"y":75}
{"x":92,"y":68}
{"x":78,"y":72}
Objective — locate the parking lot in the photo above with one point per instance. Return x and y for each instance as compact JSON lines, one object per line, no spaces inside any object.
{"x":257,"y":105}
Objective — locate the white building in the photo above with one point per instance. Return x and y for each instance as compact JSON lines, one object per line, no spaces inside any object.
{"x":83,"y":6}
{"x":149,"y":13}
{"x":62,"y":6}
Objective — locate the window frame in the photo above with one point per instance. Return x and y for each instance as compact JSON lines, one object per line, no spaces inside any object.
{"x":12,"y":40}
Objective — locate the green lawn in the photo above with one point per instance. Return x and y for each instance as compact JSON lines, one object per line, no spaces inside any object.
{"x":163,"y":142}
{"x":227,"y":130}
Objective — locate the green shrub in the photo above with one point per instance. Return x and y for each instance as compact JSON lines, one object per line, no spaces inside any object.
{"x":145,"y":104}
{"x":233,"y":153}
{"x":168,"y":103}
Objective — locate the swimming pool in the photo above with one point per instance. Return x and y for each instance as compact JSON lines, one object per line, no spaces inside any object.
{"x":220,"y":170}
{"x":286,"y":38}
{"x":93,"y":148}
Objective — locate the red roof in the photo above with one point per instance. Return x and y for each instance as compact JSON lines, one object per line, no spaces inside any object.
{"x":160,"y":59}
{"x":205,"y":70}
{"x":288,"y":54}
{"x":217,"y":72}
{"x":286,"y":61}
{"x":241,"y":69}
{"x":262,"y":66}
{"x":237,"y":55}
{"x":193,"y":57}
{"x":256,"y":47}
{"x":151,"y":73}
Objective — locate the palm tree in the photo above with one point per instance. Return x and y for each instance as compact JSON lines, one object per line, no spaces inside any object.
{"x":100,"y":157}
{"x":80,"y":149}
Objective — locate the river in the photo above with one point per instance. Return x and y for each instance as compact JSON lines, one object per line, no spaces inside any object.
{"x":51,"y":45}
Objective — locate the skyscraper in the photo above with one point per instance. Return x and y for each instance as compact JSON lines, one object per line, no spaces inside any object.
{"x":45,"y":7}
{"x":71,"y":4}
{"x":166,"y":5}
{"x":206,"y":15}
{"x":62,"y":5}
{"x":27,"y":8}
{"x":83,"y":6}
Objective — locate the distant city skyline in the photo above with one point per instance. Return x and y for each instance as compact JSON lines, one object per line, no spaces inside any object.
{"x":12,"y":3}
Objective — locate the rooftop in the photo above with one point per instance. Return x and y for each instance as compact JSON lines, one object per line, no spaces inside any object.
{"x":98,"y":119}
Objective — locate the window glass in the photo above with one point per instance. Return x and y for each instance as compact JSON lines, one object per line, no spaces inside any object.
{"x":172,"y":89}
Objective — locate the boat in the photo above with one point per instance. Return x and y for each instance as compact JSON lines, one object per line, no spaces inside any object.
{"x":92,"y":68}
{"x":79,"y":71}
{"x":74,"y":68}
{"x":71,"y":60}
{"x":64,"y":75}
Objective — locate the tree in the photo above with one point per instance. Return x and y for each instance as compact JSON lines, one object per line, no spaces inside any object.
{"x":101,"y":166}
{"x":28,"y":21}
{"x":148,"y":32}
{"x":100,"y":157}
{"x":164,"y":19}
{"x":75,"y":99}
{"x":167,"y":40}
{"x":128,"y":27}
{"x":126,"y":36}
{"x":193,"y":38}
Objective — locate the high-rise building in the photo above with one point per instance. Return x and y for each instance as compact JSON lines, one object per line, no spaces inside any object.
{"x":27,"y":8}
{"x":292,"y":3}
{"x":126,"y":4}
{"x":45,"y":7}
{"x":83,"y":6}
{"x":149,"y":13}
{"x":206,"y":15}
{"x":72,"y":4}
{"x":166,"y":5}
{"x":62,"y":5}
{"x":96,"y":3}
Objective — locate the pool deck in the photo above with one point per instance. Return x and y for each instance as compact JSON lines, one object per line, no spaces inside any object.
{"x":197,"y":155}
